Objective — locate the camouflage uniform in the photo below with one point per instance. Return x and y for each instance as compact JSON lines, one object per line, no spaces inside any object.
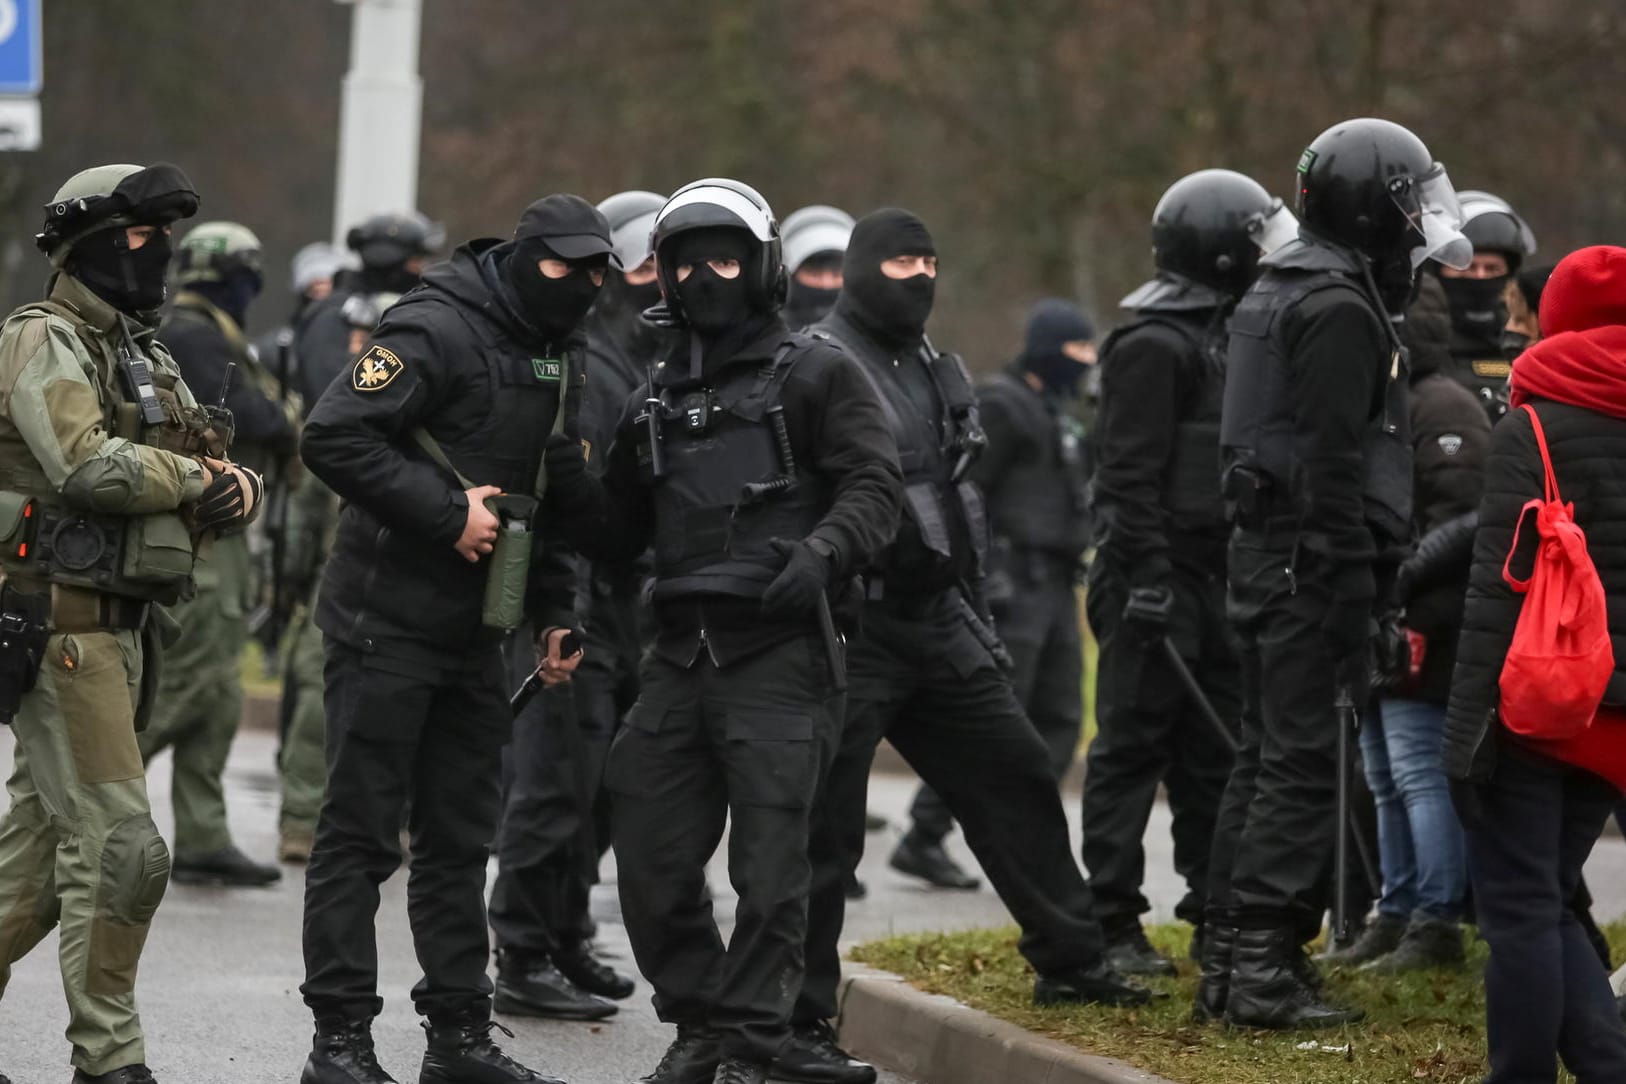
{"x":313,"y":514}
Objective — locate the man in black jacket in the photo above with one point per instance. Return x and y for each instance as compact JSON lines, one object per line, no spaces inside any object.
{"x":452,"y":403}
{"x":1317,"y":471}
{"x":928,"y":672}
{"x":554,"y":826}
{"x":1158,"y":579}
{"x":1033,"y":476}
{"x":759,"y":466}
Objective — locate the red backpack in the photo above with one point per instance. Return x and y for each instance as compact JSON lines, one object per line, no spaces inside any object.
{"x":1560,"y":660}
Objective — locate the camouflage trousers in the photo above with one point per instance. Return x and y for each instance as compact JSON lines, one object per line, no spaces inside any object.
{"x":302,"y":763}
{"x":78,"y":848}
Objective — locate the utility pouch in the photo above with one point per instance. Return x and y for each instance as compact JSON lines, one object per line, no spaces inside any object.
{"x":24,"y":629}
{"x":16,"y":519}
{"x":509,"y":568}
{"x":158,"y":555}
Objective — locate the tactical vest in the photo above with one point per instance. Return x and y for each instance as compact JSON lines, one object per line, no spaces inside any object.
{"x":1257,"y":431}
{"x":149,"y":557}
{"x":1191,"y":479}
{"x":713,"y":535}
{"x":936,"y":507}
{"x":1040,"y":501}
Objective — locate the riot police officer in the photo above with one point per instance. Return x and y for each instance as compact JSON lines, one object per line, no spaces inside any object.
{"x":926,"y":673}
{"x":393,"y":250}
{"x":1033,"y":476}
{"x":815,"y":238}
{"x":1475,"y":295}
{"x":436,"y":439}
{"x":760,"y":467}
{"x":200,"y":699}
{"x":1157,"y":582}
{"x":1316,"y":468}
{"x":108,"y":470}
{"x":554,"y":826}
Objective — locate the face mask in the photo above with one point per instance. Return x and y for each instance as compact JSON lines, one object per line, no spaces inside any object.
{"x":1060,"y":374}
{"x":393,"y":280}
{"x":1514,"y":343}
{"x":893,"y":310}
{"x":552,"y":306}
{"x":131,"y":280}
{"x":1477,"y":312}
{"x":808,"y":304}
{"x":711,"y":303}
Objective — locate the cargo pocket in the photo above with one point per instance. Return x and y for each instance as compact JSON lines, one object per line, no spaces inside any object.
{"x":624,"y":765}
{"x":772,"y":759}
{"x":89,"y":675}
{"x":386,"y":706}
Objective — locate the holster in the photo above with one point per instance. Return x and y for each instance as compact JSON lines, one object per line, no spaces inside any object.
{"x":24,"y":629}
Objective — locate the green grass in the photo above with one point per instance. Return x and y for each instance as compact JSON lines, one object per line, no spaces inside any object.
{"x":1424,"y":1027}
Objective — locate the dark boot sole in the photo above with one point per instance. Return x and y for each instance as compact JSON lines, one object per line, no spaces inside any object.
{"x":510,"y":1006}
{"x":218,"y":880}
{"x":866,"y":1076}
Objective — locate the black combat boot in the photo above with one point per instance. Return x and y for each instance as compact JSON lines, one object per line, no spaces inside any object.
{"x":732,"y":1070}
{"x":1129,"y":953}
{"x":1380,"y":937}
{"x":528,"y":984}
{"x":342,"y":1053}
{"x":129,"y":1074}
{"x":228,"y":866}
{"x":692,"y":1058}
{"x":812,"y":1057}
{"x":1218,"y":948}
{"x":1267,"y":992}
{"x":1097,"y":984}
{"x":925,"y":858}
{"x":577,"y":963}
{"x":1428,"y":944}
{"x":461,"y":1052}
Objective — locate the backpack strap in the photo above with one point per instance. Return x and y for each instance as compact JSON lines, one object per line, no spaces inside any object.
{"x":1550,"y":491}
{"x":1546,"y":457}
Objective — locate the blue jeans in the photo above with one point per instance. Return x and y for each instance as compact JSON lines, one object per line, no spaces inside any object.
{"x":1420,"y":845}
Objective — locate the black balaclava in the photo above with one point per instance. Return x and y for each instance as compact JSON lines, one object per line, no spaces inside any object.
{"x":892,"y":311}
{"x":806,"y":305}
{"x":1478,"y":313}
{"x":723,"y":315}
{"x":233,"y":293}
{"x":1052,"y":323}
{"x":130,"y":280}
{"x":621,"y":306}
{"x":552,"y":306}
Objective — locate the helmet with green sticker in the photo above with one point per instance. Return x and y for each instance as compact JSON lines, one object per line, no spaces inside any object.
{"x":211,"y":251}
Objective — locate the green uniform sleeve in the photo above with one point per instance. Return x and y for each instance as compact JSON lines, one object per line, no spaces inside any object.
{"x":58,"y":412}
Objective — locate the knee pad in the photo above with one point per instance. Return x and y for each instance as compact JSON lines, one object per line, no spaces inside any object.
{"x":135,"y":872}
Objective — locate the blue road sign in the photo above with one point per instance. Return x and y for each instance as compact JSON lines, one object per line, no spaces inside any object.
{"x":21,"y":55}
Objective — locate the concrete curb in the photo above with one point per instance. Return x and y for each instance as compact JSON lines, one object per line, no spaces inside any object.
{"x":930,"y":1037}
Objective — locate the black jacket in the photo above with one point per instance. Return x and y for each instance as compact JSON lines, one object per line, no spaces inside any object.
{"x":453,"y":358}
{"x":836,"y":432}
{"x":1450,"y":443}
{"x":1033,"y":471}
{"x":1589,"y":460}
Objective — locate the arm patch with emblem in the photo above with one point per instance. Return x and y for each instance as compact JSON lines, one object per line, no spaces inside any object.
{"x":375,"y":369}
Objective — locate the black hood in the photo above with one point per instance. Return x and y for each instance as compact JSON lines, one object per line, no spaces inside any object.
{"x":473,"y":278}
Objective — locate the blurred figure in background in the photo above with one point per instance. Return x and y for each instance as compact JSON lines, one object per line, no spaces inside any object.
{"x":1475,"y":295}
{"x":815,"y":238}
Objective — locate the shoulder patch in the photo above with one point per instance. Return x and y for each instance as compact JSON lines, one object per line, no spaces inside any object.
{"x":375,"y":369}
{"x":1450,"y":443}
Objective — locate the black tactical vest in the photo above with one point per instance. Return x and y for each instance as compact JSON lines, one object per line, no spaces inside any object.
{"x":1040,"y":500}
{"x":1257,"y":432}
{"x":937,"y":510}
{"x":713,"y":535}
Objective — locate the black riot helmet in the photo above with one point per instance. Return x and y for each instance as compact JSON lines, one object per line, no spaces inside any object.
{"x":1208,"y":232}
{"x":1492,"y":224}
{"x":115,"y":196}
{"x":1373,"y":186}
{"x":386,"y":241}
{"x":720,"y":203}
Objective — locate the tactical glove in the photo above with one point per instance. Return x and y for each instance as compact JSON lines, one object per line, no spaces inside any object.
{"x":1146,"y":614}
{"x":1390,"y":649}
{"x":570,"y":489}
{"x":231,"y":501}
{"x":795,"y":591}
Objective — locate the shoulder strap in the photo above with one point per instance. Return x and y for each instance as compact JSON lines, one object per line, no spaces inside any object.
{"x":438,"y":454}
{"x":1546,"y":457}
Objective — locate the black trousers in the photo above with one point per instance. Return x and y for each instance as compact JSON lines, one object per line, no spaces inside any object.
{"x":1150,"y":732}
{"x":1272,"y":854}
{"x":551,"y":838}
{"x":1039,"y":625}
{"x":1547,"y":994}
{"x":925,"y":683}
{"x":397,"y":732}
{"x":747,"y":743}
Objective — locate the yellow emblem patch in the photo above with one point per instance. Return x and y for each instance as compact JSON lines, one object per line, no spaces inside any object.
{"x":587,"y":449}
{"x":375,"y":369}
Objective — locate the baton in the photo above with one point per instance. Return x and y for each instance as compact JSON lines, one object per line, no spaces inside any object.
{"x":832,"y":644}
{"x":1344,"y":708}
{"x":533,"y":685}
{"x":1195,"y":691}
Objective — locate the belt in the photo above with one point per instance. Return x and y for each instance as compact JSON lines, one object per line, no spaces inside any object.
{"x":909,"y":605}
{"x":78,"y":610}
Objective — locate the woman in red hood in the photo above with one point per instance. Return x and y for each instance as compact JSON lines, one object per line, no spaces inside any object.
{"x":1533,"y":809}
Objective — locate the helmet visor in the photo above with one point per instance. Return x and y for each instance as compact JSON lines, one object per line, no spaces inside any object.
{"x":1273,"y":229}
{"x":1437,"y":216}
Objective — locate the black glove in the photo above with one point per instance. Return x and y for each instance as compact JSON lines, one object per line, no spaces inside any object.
{"x":1146,"y":614}
{"x":569,"y":488}
{"x":1348,"y":622}
{"x":231,"y":500}
{"x":1390,"y":649}
{"x":795,"y":591}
